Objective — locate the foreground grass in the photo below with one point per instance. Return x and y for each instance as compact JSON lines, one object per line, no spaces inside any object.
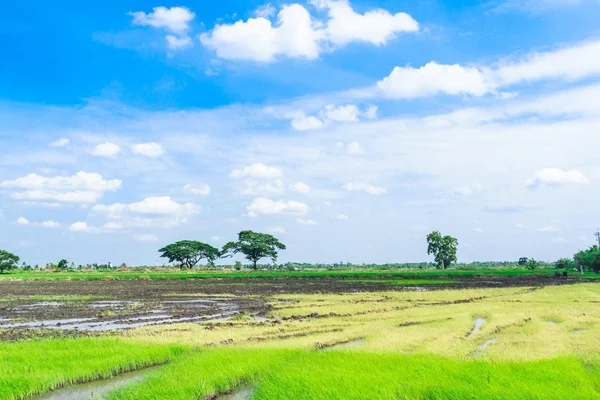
{"x":31,"y":367}
{"x":293,"y":374}
{"x":405,"y":274}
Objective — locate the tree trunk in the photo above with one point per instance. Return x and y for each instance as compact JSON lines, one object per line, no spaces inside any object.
{"x":254,"y":267}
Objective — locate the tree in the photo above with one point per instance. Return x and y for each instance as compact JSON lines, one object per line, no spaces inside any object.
{"x":443,"y":248}
{"x":532,"y":264}
{"x":254,"y":246}
{"x":523,"y":261}
{"x":8,"y":261}
{"x":62,"y":265}
{"x":189,"y":252}
{"x":589,"y":259}
{"x":564,"y":263}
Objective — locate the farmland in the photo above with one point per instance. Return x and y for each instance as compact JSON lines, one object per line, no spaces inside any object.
{"x":322,"y":335}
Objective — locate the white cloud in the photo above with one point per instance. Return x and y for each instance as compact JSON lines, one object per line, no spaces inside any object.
{"x":197,"y":190}
{"x":174,"y":19}
{"x":300,"y":187}
{"x":150,"y":149}
{"x":555,"y":177}
{"x":79,"y":226}
{"x":49,"y":224}
{"x":265,"y":11}
{"x":341,"y":217}
{"x":354,"y":148}
{"x":146,"y":237}
{"x":257,"y":187}
{"x":257,"y":170}
{"x":277,"y":229}
{"x":259,"y":40}
{"x":560,"y":239}
{"x":82,"y":187}
{"x":152,"y":211}
{"x":215,"y":238}
{"x":478,"y":230}
{"x":548,"y":228}
{"x":375,"y":27}
{"x":265,"y":206}
{"x":303,"y":122}
{"x":519,"y":226}
{"x":303,"y":221}
{"x":62,"y":142}
{"x":296,"y":34}
{"x":347,"y":113}
{"x":365,"y":187}
{"x":178,"y":43}
{"x":22,"y":221}
{"x":106,"y":150}
{"x":433,"y":79}
{"x":371,"y":112}
{"x":468,"y":190}
{"x":112,"y":225}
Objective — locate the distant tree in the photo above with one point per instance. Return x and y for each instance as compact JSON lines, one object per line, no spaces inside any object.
{"x":532,"y":264}
{"x":238,"y":266}
{"x":443,"y":249}
{"x":523,"y":261}
{"x":8,"y":261}
{"x":62,"y":265}
{"x":254,"y":246}
{"x":188,"y":253}
{"x":589,"y":259}
{"x":564,"y":263}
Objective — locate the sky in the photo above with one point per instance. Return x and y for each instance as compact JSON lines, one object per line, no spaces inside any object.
{"x":348,"y":129}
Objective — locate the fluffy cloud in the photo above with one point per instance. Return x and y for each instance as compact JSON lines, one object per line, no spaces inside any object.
{"x":303,"y":122}
{"x":555,"y":177}
{"x":150,"y":149}
{"x":354,"y":148}
{"x":106,"y":150}
{"x":341,"y":217}
{"x":347,"y":113}
{"x":258,"y":179}
{"x":152,"y":211}
{"x":83,"y":187}
{"x":62,"y":142}
{"x":265,"y":206}
{"x":79,"y":226}
{"x":177,"y":43}
{"x":375,"y":27}
{"x":468,"y":190}
{"x":478,"y":230}
{"x":22,"y":221}
{"x":297,"y":34}
{"x":432,"y":79}
{"x":259,"y":40}
{"x":112,"y":225}
{"x":265,"y":11}
{"x":365,"y":187}
{"x":174,"y":19}
{"x":257,"y":170}
{"x":547,"y":228}
{"x":300,"y":187}
{"x":197,"y":190}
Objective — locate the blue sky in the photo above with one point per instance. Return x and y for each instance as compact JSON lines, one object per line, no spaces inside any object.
{"x":348,"y":129}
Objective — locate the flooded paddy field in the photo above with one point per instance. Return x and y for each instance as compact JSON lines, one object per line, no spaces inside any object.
{"x":301,"y":338}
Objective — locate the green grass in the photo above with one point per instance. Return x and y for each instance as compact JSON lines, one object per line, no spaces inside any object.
{"x":31,"y":367}
{"x":204,"y":373}
{"x":342,"y":374}
{"x":407,"y":274}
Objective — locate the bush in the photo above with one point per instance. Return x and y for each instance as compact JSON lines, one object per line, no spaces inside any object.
{"x":532,"y":264}
{"x":564,"y":263}
{"x":589,"y":259}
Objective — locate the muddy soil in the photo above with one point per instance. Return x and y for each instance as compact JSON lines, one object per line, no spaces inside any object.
{"x":114,"y":305}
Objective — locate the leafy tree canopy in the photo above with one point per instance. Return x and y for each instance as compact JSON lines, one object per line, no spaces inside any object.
{"x":254,"y":246}
{"x":443,"y":248}
{"x":564,"y":263}
{"x":188,"y":253}
{"x":8,"y":261}
{"x":523,"y":261}
{"x":589,"y":259}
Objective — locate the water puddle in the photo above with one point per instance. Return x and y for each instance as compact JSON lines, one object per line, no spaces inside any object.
{"x":50,"y":323}
{"x":416,"y":288}
{"x":478,"y":324}
{"x":350,"y":344}
{"x":484,"y":346}
{"x":46,"y":304}
{"x":94,"y":389}
{"x":242,"y":392}
{"x":553,"y":323}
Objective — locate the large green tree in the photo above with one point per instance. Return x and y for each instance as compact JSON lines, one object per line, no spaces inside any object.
{"x":589,"y":259}
{"x":443,"y":248}
{"x":254,"y":246}
{"x":8,"y":261}
{"x":188,"y":253}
